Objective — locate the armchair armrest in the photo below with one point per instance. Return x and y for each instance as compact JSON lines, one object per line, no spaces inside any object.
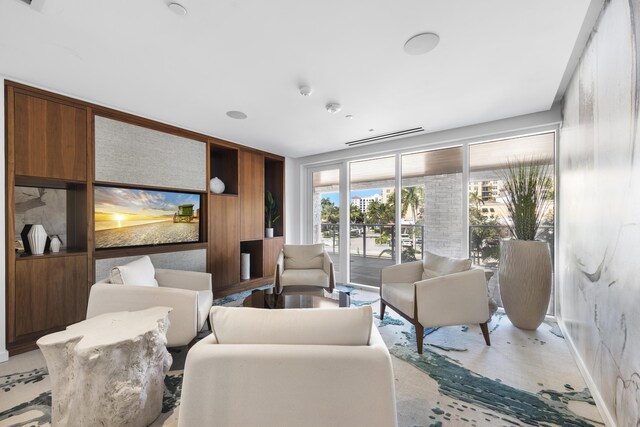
{"x":453,"y":299}
{"x":180,"y":279}
{"x":327,"y":266}
{"x":278,"y":271}
{"x":409,"y":272}
{"x":183,"y":319}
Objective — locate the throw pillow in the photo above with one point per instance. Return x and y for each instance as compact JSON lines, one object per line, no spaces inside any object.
{"x":445,"y":265}
{"x":139,"y":272}
{"x":429,"y":274}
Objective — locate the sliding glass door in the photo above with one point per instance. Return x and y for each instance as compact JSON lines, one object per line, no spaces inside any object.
{"x":325,"y":212}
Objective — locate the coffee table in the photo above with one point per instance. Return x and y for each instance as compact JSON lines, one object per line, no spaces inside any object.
{"x":267,"y":298}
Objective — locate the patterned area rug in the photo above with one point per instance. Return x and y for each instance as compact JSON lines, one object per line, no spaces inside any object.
{"x":524,"y":378}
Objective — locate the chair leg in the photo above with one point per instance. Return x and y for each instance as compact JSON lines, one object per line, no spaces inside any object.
{"x":419,"y":337}
{"x":485,"y":333}
{"x":383,"y":306}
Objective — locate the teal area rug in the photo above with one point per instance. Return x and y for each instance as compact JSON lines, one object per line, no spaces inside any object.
{"x":524,"y":378}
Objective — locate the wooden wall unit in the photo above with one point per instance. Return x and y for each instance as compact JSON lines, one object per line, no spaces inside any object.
{"x":50,"y":144}
{"x":224,"y":238}
{"x":251,"y":195}
{"x":50,"y":138}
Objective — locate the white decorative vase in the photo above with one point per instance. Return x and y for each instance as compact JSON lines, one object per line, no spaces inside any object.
{"x":269,"y":233}
{"x":216,"y":186}
{"x":524,"y":275}
{"x":37,"y":239}
{"x":55,"y":244}
{"x":245,"y":266}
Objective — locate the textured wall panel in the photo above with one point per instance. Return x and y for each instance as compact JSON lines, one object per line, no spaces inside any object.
{"x":185,"y":260}
{"x":600,"y":211}
{"x":130,"y":154}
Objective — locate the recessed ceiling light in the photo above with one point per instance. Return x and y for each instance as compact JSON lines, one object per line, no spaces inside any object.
{"x":371,"y":130}
{"x":421,"y":43}
{"x":177,"y":8}
{"x":333,"y":107}
{"x":348,"y":116}
{"x":238,"y":115}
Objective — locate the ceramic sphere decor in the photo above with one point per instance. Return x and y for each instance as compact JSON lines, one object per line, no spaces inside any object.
{"x":524,"y":274}
{"x":217,"y":186}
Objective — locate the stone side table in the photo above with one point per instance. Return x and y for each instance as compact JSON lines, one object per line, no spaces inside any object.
{"x":109,"y":370}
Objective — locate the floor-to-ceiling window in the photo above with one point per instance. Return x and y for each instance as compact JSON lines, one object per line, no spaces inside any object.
{"x":372,"y":219}
{"x":488,"y":216}
{"x":430,"y":213}
{"x":326,"y":212}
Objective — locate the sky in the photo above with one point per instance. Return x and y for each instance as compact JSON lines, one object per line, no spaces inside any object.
{"x":335,"y":196}
{"x":139,"y":204}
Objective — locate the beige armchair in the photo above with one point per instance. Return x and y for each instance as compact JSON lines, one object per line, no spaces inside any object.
{"x":286,"y":367}
{"x":437,"y":292}
{"x":188,"y":293}
{"x":303,"y":267}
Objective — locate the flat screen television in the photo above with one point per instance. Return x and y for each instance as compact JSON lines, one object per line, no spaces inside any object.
{"x":127,"y":217}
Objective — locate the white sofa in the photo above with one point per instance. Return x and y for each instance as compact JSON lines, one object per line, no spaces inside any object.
{"x":304,"y":267}
{"x":188,"y":293}
{"x":295,"y":367}
{"x":438,"y":291}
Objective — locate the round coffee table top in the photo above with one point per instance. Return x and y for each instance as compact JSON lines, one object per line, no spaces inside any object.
{"x":267,"y":298}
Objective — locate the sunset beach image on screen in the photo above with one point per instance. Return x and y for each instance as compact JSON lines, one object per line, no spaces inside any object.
{"x":140,"y":217}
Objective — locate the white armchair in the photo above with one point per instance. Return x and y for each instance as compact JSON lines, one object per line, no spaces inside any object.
{"x":188,"y":293}
{"x":302,"y":266}
{"x":286,"y":367}
{"x":439,"y":292}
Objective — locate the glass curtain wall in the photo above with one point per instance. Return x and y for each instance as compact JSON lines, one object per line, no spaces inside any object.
{"x":326,"y":212}
{"x":372,"y":219}
{"x":431,"y":204}
{"x":488,"y":216}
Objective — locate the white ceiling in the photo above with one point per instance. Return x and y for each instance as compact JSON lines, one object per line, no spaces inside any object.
{"x":496,"y":59}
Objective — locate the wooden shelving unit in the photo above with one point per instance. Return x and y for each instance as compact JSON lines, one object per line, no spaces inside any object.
{"x":50,"y":144}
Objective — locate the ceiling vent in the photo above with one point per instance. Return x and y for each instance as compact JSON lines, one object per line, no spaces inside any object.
{"x":385,"y":136}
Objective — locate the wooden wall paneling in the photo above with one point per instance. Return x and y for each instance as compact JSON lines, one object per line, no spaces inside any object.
{"x":251,"y":195}
{"x":49,"y":139}
{"x":50,"y":293}
{"x":272,"y":248}
{"x":90,"y":206}
{"x":9,"y":214}
{"x":224,"y":241}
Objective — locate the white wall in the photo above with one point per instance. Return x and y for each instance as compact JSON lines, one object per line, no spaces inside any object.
{"x":599,"y":240}
{"x":4,"y":355}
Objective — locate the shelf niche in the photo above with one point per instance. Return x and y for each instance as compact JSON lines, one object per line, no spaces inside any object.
{"x":223,"y":164}
{"x":274,"y":183}
{"x":61,"y":207}
{"x":254,"y":249}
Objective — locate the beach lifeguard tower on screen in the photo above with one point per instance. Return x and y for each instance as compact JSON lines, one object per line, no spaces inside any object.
{"x":184,"y":214}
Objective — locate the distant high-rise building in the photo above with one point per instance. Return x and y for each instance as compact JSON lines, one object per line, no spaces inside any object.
{"x":363,"y":202}
{"x":488,"y":191}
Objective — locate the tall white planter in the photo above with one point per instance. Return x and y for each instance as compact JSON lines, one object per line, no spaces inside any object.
{"x":37,"y":239}
{"x":524,"y":275}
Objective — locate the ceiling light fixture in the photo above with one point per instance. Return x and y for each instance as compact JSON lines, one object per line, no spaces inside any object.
{"x":333,"y":107}
{"x":177,"y":8}
{"x":348,"y":116}
{"x":305,"y":90}
{"x":421,"y":43}
{"x":238,"y":115}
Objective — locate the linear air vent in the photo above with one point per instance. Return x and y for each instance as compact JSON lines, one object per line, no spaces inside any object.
{"x":379,"y":138}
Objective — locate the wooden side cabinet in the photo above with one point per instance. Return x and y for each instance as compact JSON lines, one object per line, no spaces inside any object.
{"x":224,"y":238}
{"x":49,"y":293}
{"x":272,"y":248}
{"x":251,"y":196}
{"x":50,"y":138}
